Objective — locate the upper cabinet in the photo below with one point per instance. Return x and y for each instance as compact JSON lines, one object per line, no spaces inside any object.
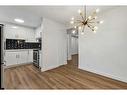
{"x":19,"y":32}
{"x":38,"y":32}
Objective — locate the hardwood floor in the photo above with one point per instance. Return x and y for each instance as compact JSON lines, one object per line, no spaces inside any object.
{"x":63,"y":77}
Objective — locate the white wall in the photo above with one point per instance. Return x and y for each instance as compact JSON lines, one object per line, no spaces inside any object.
{"x":105,"y":52}
{"x":74,"y":45}
{"x":19,"y":33}
{"x":38,"y":32}
{"x":69,"y":55}
{"x":54,"y":45}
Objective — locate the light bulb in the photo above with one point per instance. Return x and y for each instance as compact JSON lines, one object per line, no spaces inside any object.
{"x":79,"y":27}
{"x":19,"y":20}
{"x":94,"y":31}
{"x":97,"y":10}
{"x":79,"y":11}
{"x":14,"y":27}
{"x":89,"y":17}
{"x":82,"y":32}
{"x":95,"y":17}
{"x":72,"y":18}
{"x":101,"y":22}
{"x":95,"y":28}
{"x":73,"y":31}
{"x":75,"y":27}
{"x":72,"y":22}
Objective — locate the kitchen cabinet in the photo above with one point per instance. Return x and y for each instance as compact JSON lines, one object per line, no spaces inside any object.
{"x":20,"y":32}
{"x":22,"y":57}
{"x":38,"y":32}
{"x":30,"y":56}
{"x":13,"y":57}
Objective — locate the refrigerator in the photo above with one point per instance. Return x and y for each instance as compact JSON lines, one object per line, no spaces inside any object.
{"x":2,"y":57}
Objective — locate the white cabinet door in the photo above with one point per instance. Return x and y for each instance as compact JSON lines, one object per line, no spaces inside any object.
{"x":19,"y":32}
{"x":30,"y":56}
{"x":11,"y":58}
{"x":18,"y":57}
{"x":22,"y":58}
{"x":10,"y":33}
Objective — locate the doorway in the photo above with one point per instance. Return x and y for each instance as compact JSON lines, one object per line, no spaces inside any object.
{"x":72,"y":45}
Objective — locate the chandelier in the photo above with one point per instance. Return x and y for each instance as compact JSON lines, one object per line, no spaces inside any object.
{"x":84,"y":21}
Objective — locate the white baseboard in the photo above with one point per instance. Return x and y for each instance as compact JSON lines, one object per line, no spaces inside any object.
{"x":104,"y":74}
{"x":48,"y":68}
{"x":52,"y":67}
{"x":16,"y":65}
{"x":69,"y":58}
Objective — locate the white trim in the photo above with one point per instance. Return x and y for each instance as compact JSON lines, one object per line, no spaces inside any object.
{"x":103,"y":74}
{"x":16,"y":65}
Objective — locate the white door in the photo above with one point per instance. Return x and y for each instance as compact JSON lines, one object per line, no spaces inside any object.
{"x":22,"y":58}
{"x":30,"y":56}
{"x":11,"y":58}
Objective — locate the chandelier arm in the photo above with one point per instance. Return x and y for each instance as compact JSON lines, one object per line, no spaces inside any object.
{"x":90,"y":27}
{"x":82,"y":16}
{"x":83,"y":28}
{"x":91,"y":19}
{"x":96,"y":22}
{"x":92,"y":16}
{"x":79,"y":25}
{"x":78,"y":20}
{"x":92,"y":22}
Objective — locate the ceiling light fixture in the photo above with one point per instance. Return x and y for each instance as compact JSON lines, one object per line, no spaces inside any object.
{"x":89,"y":21}
{"x":19,"y":20}
{"x":14,"y":27}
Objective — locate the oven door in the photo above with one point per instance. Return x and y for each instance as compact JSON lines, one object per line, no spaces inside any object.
{"x":36,"y":58}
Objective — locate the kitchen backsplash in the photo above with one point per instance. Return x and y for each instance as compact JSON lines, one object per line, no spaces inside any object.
{"x":21,"y":44}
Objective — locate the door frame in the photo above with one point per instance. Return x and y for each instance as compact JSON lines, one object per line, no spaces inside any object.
{"x":2,"y":56}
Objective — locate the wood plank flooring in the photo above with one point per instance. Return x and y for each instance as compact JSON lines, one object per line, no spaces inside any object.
{"x":63,"y":77}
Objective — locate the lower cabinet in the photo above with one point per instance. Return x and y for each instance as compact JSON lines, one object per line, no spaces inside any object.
{"x":30,"y":56}
{"x":22,"y":57}
{"x":18,"y":57}
{"x":11,"y":58}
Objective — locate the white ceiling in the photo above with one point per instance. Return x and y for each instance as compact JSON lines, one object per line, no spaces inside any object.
{"x":32,"y":14}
